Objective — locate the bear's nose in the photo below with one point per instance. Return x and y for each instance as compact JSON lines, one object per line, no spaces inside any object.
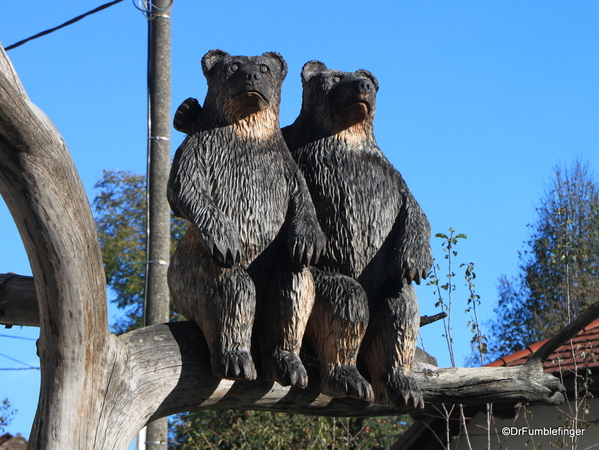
{"x":365,"y":87}
{"x":253,"y":75}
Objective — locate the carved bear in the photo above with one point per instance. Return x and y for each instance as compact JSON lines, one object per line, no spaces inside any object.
{"x":336,"y":347}
{"x":376,"y":232}
{"x":252,"y":224}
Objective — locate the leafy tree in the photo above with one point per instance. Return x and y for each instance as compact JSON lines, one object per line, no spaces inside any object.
{"x":6,"y":414}
{"x":120,"y":211}
{"x":558,"y":271}
{"x":258,"y":430}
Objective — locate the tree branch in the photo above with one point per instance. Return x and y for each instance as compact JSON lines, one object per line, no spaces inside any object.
{"x":44,"y":194}
{"x":18,"y":301}
{"x":176,"y":354}
{"x":567,"y":333}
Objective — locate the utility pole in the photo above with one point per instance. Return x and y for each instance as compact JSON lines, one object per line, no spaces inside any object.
{"x":156,"y":308}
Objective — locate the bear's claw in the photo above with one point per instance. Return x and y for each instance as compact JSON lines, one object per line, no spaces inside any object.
{"x":234,"y":365}
{"x":403,"y":391}
{"x":346,"y":381}
{"x":287,"y":369}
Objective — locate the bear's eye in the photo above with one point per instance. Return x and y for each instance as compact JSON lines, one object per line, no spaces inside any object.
{"x":263,"y":68}
{"x":336,"y":79}
{"x":233,"y":67}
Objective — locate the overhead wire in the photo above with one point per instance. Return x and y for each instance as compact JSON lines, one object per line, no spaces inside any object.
{"x":151,"y":11}
{"x":18,"y":337}
{"x":29,"y":366}
{"x":72,"y":21}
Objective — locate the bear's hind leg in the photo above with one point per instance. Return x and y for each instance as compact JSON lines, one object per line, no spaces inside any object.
{"x":285,"y":305}
{"x":221,"y":301}
{"x":335,"y":331}
{"x":389,"y":347}
{"x":231,"y":309}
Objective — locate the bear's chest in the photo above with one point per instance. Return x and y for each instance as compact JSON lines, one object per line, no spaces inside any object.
{"x":357,"y":201}
{"x":248,"y":181}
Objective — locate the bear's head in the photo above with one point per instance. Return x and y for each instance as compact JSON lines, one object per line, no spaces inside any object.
{"x":239,"y":86}
{"x":335,"y":100}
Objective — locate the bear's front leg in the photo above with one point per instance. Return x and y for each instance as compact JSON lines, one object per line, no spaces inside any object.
{"x":413,"y":256}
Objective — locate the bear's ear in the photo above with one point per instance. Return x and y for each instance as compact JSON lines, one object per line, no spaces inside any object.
{"x":279,"y":59}
{"x":312,"y":68}
{"x":211,"y":58}
{"x":370,"y":76}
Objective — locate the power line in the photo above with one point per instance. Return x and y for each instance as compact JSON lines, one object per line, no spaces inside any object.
{"x":76,"y":19}
{"x":17,"y":337}
{"x":20,"y":362}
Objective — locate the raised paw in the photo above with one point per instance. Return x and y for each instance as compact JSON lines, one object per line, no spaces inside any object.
{"x":403,"y":391}
{"x":287,"y":369}
{"x":234,"y":365}
{"x":187,"y":113}
{"x":346,"y":381}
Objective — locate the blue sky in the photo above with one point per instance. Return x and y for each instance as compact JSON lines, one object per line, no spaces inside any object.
{"x":478,"y":102}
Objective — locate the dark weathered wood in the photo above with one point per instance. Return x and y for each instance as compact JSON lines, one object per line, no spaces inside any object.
{"x":18,"y":301}
{"x":425,"y":320}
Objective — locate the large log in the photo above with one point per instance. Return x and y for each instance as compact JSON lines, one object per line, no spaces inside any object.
{"x":165,"y":369}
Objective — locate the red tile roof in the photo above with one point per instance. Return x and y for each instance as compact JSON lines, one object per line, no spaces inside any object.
{"x":582,"y":346}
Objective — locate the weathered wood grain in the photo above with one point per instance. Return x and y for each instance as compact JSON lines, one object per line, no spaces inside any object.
{"x":44,"y":194}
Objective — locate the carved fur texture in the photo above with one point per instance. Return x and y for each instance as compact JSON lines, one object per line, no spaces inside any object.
{"x":377,"y":236}
{"x":252,"y":227}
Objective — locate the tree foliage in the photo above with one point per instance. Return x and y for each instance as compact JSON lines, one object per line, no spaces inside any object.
{"x":120,"y":210}
{"x":6,"y":414}
{"x":258,"y":430}
{"x":558,"y":270}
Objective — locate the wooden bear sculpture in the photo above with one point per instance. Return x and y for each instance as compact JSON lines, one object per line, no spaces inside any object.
{"x":252,"y":224}
{"x":376,"y":232}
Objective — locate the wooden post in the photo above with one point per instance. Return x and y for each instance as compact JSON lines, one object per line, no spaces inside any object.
{"x":158,"y":210}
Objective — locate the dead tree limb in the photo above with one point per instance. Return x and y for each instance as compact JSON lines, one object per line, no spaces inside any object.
{"x":18,"y":301}
{"x":44,"y":194}
{"x":98,"y":390}
{"x":567,"y":333}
